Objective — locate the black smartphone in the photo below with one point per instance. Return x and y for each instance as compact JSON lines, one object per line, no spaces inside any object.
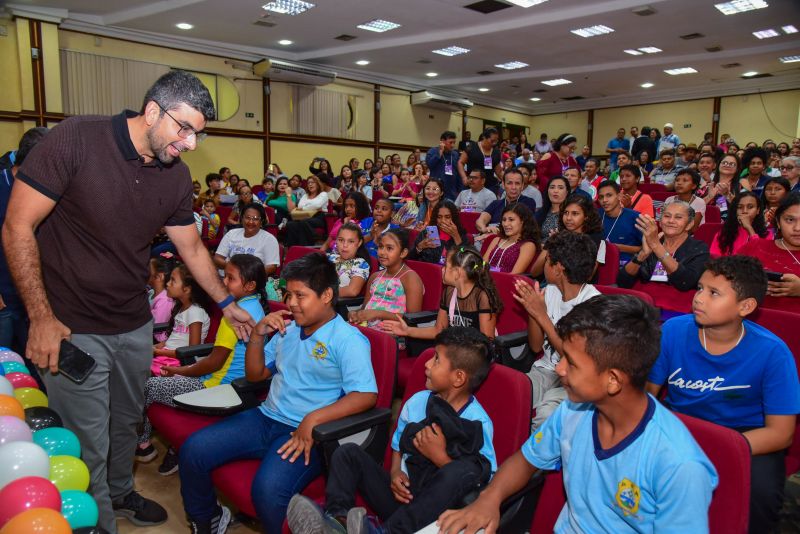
{"x":772,"y":276}
{"x":74,"y":363}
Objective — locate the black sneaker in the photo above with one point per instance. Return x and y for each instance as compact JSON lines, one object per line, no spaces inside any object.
{"x":148,"y":454}
{"x":139,"y":511}
{"x":170,"y":463}
{"x":304,"y":516}
{"x":218,"y":525}
{"x":358,"y":522}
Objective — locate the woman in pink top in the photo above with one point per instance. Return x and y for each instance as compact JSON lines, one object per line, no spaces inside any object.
{"x":356,"y":208}
{"x":747,"y":226}
{"x":161,"y":305}
{"x":515,"y":248}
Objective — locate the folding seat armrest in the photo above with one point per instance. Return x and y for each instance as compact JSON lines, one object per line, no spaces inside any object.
{"x":160,"y":327}
{"x":188,"y":355}
{"x":351,"y":302}
{"x":513,"y":339}
{"x":352,"y":424}
{"x":250,"y":392}
{"x":516,"y":512}
{"x":420,"y":317}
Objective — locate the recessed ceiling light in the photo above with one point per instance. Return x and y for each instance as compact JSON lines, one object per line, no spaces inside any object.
{"x":740,"y":6}
{"x":789,"y":59}
{"x":633,"y":52}
{"x":789,"y":29}
{"x":451,"y":51}
{"x":184,"y":26}
{"x":766,"y":34}
{"x":535,"y":99}
{"x":285,"y":42}
{"x":483,"y":89}
{"x":681,"y":70}
{"x":431,"y":74}
{"x":378,"y":25}
{"x":592,"y":31}
{"x":288,"y":7}
{"x":647,"y":85}
{"x":650,"y":50}
{"x":557,"y":81}
{"x":511,"y":65}
{"x":749,"y":73}
{"x":526,"y":3}
{"x":362,"y":62}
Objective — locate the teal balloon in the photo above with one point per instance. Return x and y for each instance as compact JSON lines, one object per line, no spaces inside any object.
{"x":14,"y":367}
{"x":58,"y":441}
{"x":79,"y":509}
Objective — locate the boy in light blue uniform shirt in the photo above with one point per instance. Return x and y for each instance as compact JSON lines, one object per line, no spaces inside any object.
{"x":629,"y":464}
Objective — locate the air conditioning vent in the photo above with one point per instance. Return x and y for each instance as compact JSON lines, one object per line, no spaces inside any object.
{"x":714,"y":49}
{"x":690,"y":36}
{"x":487,"y":6}
{"x":644,"y":11}
{"x":432,"y":100}
{"x":264,"y":23}
{"x":764,"y":75}
{"x":573,"y":98}
{"x":540,"y":90}
{"x":281,"y":71}
{"x":485,"y":72}
{"x":345,"y":37}
{"x":424,"y":61}
{"x":731,"y":65}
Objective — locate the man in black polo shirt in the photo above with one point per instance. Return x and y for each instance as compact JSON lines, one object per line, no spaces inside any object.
{"x":489,"y":221}
{"x":83,"y":210}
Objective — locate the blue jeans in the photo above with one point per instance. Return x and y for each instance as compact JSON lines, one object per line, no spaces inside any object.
{"x":246,"y":435}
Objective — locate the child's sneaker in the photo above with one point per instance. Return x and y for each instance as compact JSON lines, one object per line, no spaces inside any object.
{"x":304,"y":516}
{"x":358,"y":522}
{"x":217,"y":525}
{"x":148,"y":454}
{"x":170,"y":463}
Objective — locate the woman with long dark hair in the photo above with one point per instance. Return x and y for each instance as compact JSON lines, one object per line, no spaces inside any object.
{"x":746,"y":226}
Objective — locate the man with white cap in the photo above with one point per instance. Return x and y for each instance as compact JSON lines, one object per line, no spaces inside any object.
{"x":669,"y":140}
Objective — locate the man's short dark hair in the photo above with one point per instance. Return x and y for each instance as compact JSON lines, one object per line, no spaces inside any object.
{"x":631,"y":168}
{"x":745,"y":273}
{"x":608,"y":183}
{"x":180,"y":87}
{"x":594,"y":160}
{"x":667,"y":152}
{"x":315,"y":271}
{"x":512,"y":170}
{"x":447,"y":135}
{"x":223,"y":169}
{"x":27,"y":142}
{"x":210,"y":177}
{"x":576,"y":252}
{"x":469,"y":350}
{"x":625,"y":153}
{"x":621,"y":331}
{"x":693,"y":174}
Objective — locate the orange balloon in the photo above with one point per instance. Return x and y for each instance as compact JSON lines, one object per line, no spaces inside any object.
{"x":10,"y":406}
{"x":37,"y":521}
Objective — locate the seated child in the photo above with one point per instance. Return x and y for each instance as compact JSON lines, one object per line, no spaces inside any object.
{"x":245,"y":280}
{"x":449,"y":234}
{"x":320,"y":369}
{"x":569,"y":266}
{"x":469,"y":298}
{"x":723,"y":368}
{"x":374,"y":226}
{"x":629,"y":464}
{"x":396,"y":289}
{"x":209,"y":207}
{"x":189,"y":321}
{"x":351,"y":259}
{"x":441,"y":450}
{"x":160,"y":303}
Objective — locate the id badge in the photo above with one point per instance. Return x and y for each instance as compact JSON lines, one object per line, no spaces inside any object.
{"x":448,"y":169}
{"x":487,"y":162}
{"x":721,"y":202}
{"x":659,"y":273}
{"x":494,"y":269}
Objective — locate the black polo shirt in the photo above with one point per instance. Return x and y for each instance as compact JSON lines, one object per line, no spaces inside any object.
{"x":95,"y":244}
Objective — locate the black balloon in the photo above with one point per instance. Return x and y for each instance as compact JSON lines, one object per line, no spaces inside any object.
{"x":40,"y":417}
{"x":90,"y":530}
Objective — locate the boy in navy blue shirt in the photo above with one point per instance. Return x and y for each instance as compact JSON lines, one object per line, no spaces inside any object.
{"x":720,"y":367}
{"x":321,"y":370}
{"x":619,"y":222}
{"x":629,"y":464}
{"x":434,"y":465}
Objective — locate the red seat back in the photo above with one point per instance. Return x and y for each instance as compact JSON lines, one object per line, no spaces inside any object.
{"x":607,"y":272}
{"x":667,"y":297}
{"x":296,"y":252}
{"x":431,"y":275}
{"x":713,"y":214}
{"x":707,"y":231}
{"x":614,"y":290}
{"x":270,"y":213}
{"x":224,"y":211}
{"x":649,"y":188}
{"x":513,"y":318}
{"x":661,"y":196}
{"x":469,"y":220}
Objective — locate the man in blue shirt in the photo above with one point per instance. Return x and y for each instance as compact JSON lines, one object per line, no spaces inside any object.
{"x":619,"y":223}
{"x":513,"y":183}
{"x":615,"y":147}
{"x":629,"y":465}
{"x":442,"y":161}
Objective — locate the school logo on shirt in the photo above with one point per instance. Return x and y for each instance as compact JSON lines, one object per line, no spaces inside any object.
{"x":628,"y":497}
{"x":538,"y":437}
{"x":320,"y":351}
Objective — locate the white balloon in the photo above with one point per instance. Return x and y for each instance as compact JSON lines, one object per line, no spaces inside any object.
{"x":20,"y":459}
{"x":5,"y":387}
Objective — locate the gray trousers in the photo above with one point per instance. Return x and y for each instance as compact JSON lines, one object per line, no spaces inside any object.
{"x":547,"y":393}
{"x":105,"y":410}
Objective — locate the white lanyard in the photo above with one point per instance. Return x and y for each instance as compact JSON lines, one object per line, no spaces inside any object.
{"x":783,"y":242}
{"x":608,"y":237}
{"x":491,"y":259}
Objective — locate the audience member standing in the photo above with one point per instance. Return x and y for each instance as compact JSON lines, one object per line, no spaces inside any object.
{"x":442,"y":162}
{"x":615,"y":147}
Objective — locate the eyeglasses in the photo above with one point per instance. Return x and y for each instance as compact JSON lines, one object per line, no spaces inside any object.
{"x":186,"y":131}
{"x":727,"y":164}
{"x":254,"y":218}
{"x":786,"y":168}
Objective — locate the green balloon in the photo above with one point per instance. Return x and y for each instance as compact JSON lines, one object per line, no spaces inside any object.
{"x":69,"y":473}
{"x":58,"y":441}
{"x":79,"y":509}
{"x":14,"y":367}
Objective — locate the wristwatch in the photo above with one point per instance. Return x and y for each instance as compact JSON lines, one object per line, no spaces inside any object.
{"x":666,"y":255}
{"x":635,"y":260}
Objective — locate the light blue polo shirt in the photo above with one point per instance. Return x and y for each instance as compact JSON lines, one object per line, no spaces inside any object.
{"x":414,"y":411}
{"x":311,"y":372}
{"x":656,"y":480}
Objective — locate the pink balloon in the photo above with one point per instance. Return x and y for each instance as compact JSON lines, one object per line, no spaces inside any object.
{"x":13,"y":429}
{"x":27,"y":493}
{"x":21,"y":380}
{"x":10,"y":356}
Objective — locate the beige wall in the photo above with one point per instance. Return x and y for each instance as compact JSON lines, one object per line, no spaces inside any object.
{"x":10,"y":134}
{"x":244,"y":156}
{"x":294,"y":157}
{"x":421,"y":126}
{"x":574,"y":122}
{"x":759,"y":117}
{"x":11,"y":95}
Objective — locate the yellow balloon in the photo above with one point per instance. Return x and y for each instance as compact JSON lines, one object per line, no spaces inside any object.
{"x":69,"y":473}
{"x":30,"y":397}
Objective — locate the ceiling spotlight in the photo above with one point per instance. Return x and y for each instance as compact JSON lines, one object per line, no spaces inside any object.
{"x":431,"y":74}
{"x":285,"y":42}
{"x":288,"y":7}
{"x":362,"y":62}
{"x":184,"y":26}
{"x":483,"y":89}
{"x":526,"y":3}
{"x":647,"y":85}
{"x":535,"y":99}
{"x":633,"y":52}
{"x":749,"y":74}
{"x":379,"y":25}
{"x":740,"y":6}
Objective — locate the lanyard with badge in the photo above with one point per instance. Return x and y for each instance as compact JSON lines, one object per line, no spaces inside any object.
{"x":448,"y":165}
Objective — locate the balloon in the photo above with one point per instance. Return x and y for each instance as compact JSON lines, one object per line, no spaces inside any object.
{"x":90,"y":530}
{"x":13,"y":429}
{"x":15,"y":367}
{"x":10,"y":406}
{"x":10,"y":356}
{"x":40,"y":417}
{"x":2,"y":371}
{"x":37,"y":521}
{"x":69,"y":473}
{"x":6,"y":387}
{"x":20,"y":459}
{"x":79,"y":508}
{"x":27,"y":493}
{"x":58,"y":441}
{"x":21,"y":380}
{"x":30,"y":397}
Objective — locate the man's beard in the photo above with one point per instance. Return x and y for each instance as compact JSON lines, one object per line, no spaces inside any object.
{"x":158,"y":148}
